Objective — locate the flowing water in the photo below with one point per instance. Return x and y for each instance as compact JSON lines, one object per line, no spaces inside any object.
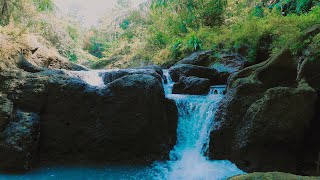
{"x":188,"y":159}
{"x":196,"y":116}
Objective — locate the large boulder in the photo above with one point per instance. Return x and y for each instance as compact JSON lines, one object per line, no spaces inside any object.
{"x":224,"y":65}
{"x":276,"y":122}
{"x":129,"y":119}
{"x":229,"y":63}
{"x":192,"y":85}
{"x":308,"y":69}
{"x":225,"y":62}
{"x":19,"y":143}
{"x":266,"y":111}
{"x":112,"y":75}
{"x":156,"y":68}
{"x":125,"y":121}
{"x":200,"y":58}
{"x":187,"y":70}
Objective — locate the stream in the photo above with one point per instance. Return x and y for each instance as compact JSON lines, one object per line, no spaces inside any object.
{"x":188,"y":159}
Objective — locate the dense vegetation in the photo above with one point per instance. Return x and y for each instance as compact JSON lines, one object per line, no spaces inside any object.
{"x":19,"y":17}
{"x":163,"y":31}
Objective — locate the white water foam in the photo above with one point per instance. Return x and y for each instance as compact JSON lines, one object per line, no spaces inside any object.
{"x":187,"y":159}
{"x":92,"y":77}
{"x":169,"y":83}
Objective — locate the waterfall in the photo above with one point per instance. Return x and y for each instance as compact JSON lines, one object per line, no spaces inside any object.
{"x":220,"y":89}
{"x":168,"y":84}
{"x":92,"y":77}
{"x":196,"y":117}
{"x":187,"y":159}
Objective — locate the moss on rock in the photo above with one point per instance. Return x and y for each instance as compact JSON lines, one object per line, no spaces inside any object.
{"x":272,"y":176}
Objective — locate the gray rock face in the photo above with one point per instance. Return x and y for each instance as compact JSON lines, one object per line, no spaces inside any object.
{"x":204,"y":64}
{"x":19,"y":142}
{"x":262,"y":122}
{"x":6,"y":109}
{"x":192,"y":85}
{"x":229,"y":63}
{"x":128,"y":120}
{"x":156,"y":68}
{"x":200,"y":58}
{"x":125,"y":121}
{"x":111,"y":76}
{"x":187,"y":70}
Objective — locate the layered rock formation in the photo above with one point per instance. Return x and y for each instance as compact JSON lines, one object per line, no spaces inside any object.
{"x":203,"y":64}
{"x":48,"y":116}
{"x":266,"y":122}
{"x":192,"y":85}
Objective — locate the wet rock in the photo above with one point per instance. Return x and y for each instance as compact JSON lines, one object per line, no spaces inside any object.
{"x":6,"y":109}
{"x":310,"y":71}
{"x":266,"y":111}
{"x":172,"y":116}
{"x":187,"y":70}
{"x":125,"y":121}
{"x":128,"y":120}
{"x":192,"y":85}
{"x":156,"y":68}
{"x":276,"y":120}
{"x":19,"y":142}
{"x":229,"y":63}
{"x":26,"y":90}
{"x":272,"y":176}
{"x":113,"y":75}
{"x":200,"y":58}
{"x":224,"y":65}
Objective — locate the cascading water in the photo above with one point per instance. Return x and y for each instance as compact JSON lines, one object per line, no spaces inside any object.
{"x":187,"y":159}
{"x":220,"y":89}
{"x":92,"y":77}
{"x":168,"y":84}
{"x":196,"y":116}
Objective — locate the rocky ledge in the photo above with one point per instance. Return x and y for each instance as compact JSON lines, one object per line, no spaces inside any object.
{"x":269,"y":118}
{"x":272,"y":176}
{"x":48,"y":116}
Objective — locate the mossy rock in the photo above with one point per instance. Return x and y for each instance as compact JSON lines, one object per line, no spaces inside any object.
{"x":271,"y":176}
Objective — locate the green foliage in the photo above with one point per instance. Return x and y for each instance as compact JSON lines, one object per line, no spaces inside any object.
{"x":194,"y":44}
{"x":158,"y":39}
{"x":212,"y":12}
{"x":125,"y":24}
{"x":172,"y":29}
{"x":294,"y":6}
{"x":159,"y":3}
{"x":96,"y":47}
{"x":72,"y":56}
{"x":44,"y":5}
{"x":286,"y":7}
{"x":73,"y":33}
{"x":176,"y":49}
{"x":8,"y":9}
{"x":314,"y":48}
